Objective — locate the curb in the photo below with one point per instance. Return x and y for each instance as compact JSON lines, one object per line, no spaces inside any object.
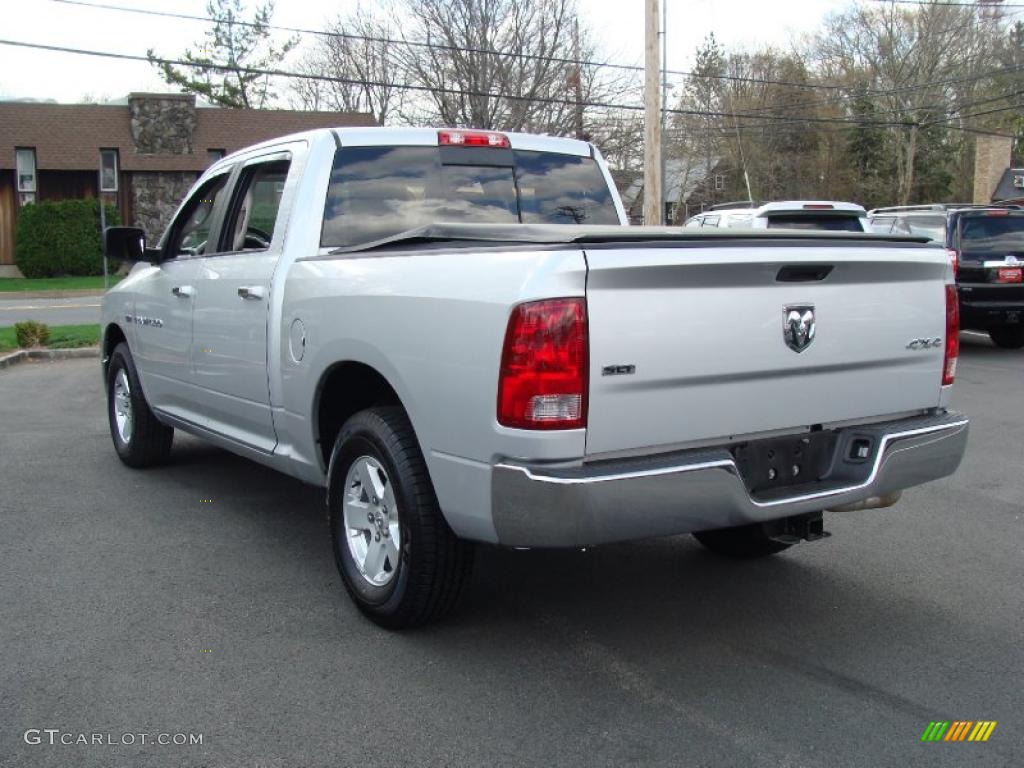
{"x":47,"y":354}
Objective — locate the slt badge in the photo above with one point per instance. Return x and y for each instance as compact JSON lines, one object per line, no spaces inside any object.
{"x":798,"y":326}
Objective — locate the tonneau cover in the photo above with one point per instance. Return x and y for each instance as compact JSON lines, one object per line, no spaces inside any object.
{"x":568,"y":234}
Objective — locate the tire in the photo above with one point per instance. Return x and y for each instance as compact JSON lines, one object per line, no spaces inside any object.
{"x":1008,"y":336}
{"x":400,"y":573}
{"x":139,"y":439}
{"x":743,"y":541}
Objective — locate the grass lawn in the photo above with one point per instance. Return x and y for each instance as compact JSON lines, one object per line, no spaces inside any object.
{"x":17,"y":285}
{"x":61,"y":337}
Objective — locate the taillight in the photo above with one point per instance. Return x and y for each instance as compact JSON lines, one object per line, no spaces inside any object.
{"x":472,"y":139}
{"x":954,"y":259}
{"x":952,"y":336}
{"x":542,"y":383}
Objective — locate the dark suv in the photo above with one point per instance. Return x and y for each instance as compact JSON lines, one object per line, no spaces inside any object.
{"x":987,"y":246}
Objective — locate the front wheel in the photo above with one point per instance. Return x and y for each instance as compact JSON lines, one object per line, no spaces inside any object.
{"x":139,"y":438}
{"x":398,"y":559}
{"x":1008,"y":336}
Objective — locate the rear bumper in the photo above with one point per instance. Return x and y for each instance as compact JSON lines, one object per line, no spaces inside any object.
{"x":700,"y":490}
{"x":988,"y":305}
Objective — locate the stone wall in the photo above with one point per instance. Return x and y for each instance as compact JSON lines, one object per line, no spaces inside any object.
{"x":155,"y":198}
{"x":162,"y":124}
{"x":992,"y":156}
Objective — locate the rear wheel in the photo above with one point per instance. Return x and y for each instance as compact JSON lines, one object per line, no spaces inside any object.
{"x":743,"y":541}
{"x":139,"y":439}
{"x":398,"y":559}
{"x":1008,"y":336}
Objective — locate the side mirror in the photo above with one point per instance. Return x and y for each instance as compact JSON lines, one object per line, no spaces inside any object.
{"x":127,"y":244}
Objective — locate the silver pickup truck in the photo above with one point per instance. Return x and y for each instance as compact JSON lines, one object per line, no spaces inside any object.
{"x":455,"y":335}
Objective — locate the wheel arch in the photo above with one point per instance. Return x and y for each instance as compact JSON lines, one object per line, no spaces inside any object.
{"x":113,"y":335}
{"x":345,"y":388}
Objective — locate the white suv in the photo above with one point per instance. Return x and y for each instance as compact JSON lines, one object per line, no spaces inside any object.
{"x":729,"y":218}
{"x":811,"y":214}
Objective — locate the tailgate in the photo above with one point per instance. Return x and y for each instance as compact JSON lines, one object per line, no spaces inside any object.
{"x":703,"y":327}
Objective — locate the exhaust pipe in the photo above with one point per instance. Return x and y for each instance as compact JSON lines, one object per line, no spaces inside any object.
{"x":872,"y":502}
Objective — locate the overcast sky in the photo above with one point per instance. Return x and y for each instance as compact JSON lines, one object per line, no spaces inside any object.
{"x":618,"y":25}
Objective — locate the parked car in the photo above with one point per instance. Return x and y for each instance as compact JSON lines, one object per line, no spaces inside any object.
{"x":926,"y":220}
{"x":515,"y":380}
{"x":824,"y":215}
{"x":731,"y":218}
{"x":986,"y":242}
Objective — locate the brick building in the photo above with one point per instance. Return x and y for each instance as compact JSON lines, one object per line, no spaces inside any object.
{"x":142,"y":156}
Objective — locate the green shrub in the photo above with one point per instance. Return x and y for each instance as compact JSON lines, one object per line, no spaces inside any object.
{"x":60,"y":238}
{"x":31,"y":334}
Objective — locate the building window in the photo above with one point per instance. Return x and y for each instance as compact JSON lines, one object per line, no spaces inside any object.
{"x":25,"y":165}
{"x":213,"y":155}
{"x":719,"y":182}
{"x":108,"y":170}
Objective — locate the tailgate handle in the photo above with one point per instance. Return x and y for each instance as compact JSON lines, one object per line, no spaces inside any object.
{"x":803,"y":273}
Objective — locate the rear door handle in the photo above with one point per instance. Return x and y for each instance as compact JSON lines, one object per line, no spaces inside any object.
{"x":251,"y":292}
{"x":183,"y":291}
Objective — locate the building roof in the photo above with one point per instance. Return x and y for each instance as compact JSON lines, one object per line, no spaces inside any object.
{"x":68,"y":136}
{"x":1010,"y":186}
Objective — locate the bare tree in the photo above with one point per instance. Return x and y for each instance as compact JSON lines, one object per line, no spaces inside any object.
{"x":910,"y":60}
{"x":462,"y":73}
{"x":361,"y":65}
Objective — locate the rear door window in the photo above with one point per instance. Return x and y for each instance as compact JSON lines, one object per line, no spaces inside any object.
{"x":378,"y":192}
{"x":826,"y":222}
{"x":254,"y":207}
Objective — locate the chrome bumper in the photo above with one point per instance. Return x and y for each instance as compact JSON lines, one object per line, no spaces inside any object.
{"x":536,"y":506}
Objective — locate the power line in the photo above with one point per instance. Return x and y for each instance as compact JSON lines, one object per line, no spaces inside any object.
{"x":953,"y":4}
{"x":439,"y":46}
{"x":412,"y":87}
{"x":766,"y":119}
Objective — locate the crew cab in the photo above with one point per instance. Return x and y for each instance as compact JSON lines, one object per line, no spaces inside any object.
{"x":456,"y":336}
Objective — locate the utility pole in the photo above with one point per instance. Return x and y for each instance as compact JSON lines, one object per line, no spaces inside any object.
{"x":652,"y":116}
{"x":664,"y":107}
{"x":578,"y":81}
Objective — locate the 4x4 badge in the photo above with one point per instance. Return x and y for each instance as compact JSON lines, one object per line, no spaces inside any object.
{"x":798,"y":326}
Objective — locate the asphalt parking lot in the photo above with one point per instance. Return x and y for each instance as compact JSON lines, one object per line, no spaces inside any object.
{"x":202,"y":598}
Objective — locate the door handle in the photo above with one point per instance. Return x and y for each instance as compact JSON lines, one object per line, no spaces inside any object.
{"x":183,"y":291}
{"x":251,"y":292}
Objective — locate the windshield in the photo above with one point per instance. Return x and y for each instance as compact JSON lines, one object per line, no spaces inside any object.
{"x":831,"y":222}
{"x":991,"y":237}
{"x":377,"y":192}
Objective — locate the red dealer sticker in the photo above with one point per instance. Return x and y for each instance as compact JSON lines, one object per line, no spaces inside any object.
{"x":1010,"y":275}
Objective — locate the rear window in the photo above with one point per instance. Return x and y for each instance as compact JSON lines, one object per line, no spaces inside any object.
{"x":377,"y":192}
{"x":830,"y":222}
{"x":991,"y":237}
